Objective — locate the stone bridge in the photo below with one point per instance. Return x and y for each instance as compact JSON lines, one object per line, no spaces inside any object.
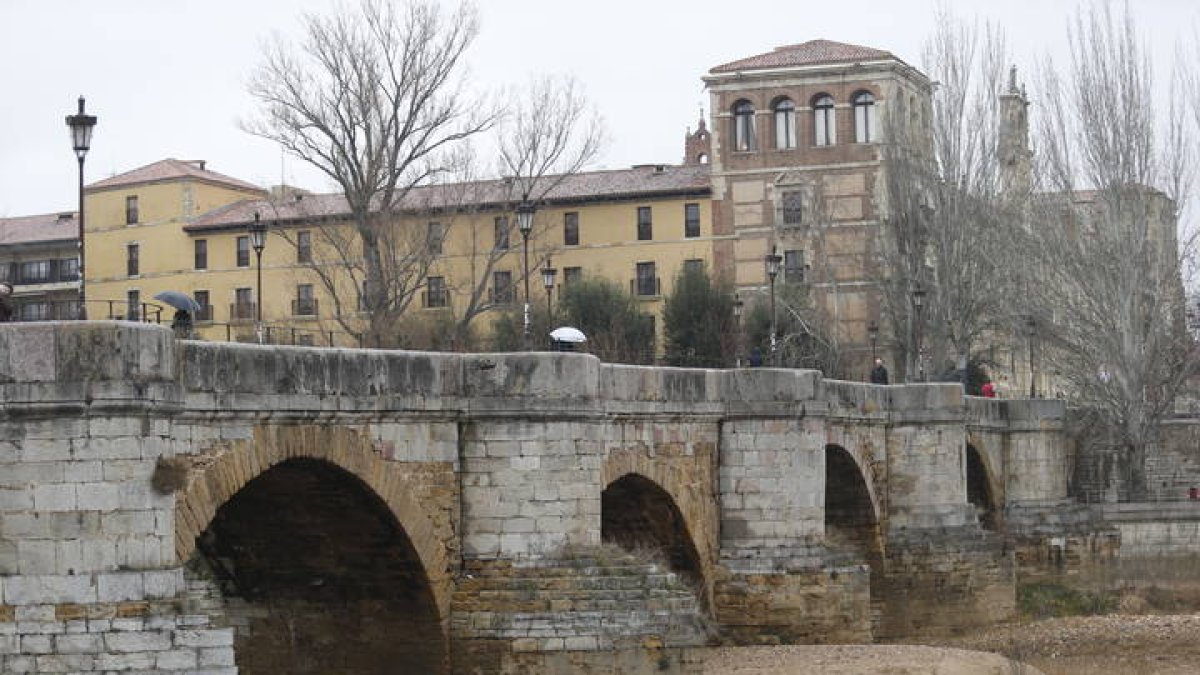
{"x":213,"y":508}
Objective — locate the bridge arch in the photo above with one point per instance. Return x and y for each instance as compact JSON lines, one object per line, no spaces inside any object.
{"x":638,"y":514}
{"x":982,"y":489}
{"x":308,"y":523}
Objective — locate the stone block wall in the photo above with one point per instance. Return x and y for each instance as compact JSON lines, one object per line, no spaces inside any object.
{"x":88,"y":576}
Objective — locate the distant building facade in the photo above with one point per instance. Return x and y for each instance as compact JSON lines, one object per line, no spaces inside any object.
{"x":796,"y":164}
{"x":39,"y":258}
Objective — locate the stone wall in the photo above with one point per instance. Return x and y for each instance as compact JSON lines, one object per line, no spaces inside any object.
{"x":88,"y":576}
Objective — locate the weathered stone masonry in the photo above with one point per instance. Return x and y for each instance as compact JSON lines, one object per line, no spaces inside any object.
{"x":784,"y":507}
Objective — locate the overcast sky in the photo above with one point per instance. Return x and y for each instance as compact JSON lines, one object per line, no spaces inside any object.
{"x":167,"y":78}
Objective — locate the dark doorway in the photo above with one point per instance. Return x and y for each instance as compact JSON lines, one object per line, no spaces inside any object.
{"x":319,"y":578}
{"x":979,"y":490}
{"x":641,"y":517}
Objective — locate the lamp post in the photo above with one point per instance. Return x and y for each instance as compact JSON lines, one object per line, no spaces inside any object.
{"x":918,"y":298}
{"x":258,"y":239}
{"x":737,"y":325}
{"x":548,"y":274}
{"x":525,"y":212}
{"x":1031,"y":335}
{"x":81,"y":125}
{"x":873,"y":335}
{"x":773,"y":261}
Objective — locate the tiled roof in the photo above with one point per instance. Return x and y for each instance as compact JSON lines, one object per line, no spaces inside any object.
{"x":639,"y":182}
{"x":170,"y":169}
{"x":48,"y":227}
{"x":811,"y":53}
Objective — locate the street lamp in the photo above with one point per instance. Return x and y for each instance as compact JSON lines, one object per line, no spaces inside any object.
{"x":525,"y":212}
{"x":773,"y":261}
{"x":258,"y":240}
{"x":873,"y":334}
{"x":918,"y":297}
{"x":548,"y":274}
{"x":737,"y":325}
{"x":81,"y":126}
{"x":1031,"y":334}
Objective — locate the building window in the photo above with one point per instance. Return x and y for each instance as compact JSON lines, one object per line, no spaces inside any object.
{"x":305,"y":304}
{"x":434,"y":234}
{"x":132,"y":253}
{"x":793,"y":267}
{"x":743,"y":126}
{"x":243,"y":304}
{"x":785,"y":124}
{"x":435,"y":291}
{"x":793,"y":208}
{"x":824,"y":121}
{"x":243,"y":251}
{"x":646,"y":282}
{"x":572,"y":275}
{"x":133,"y":305}
{"x":693,"y":265}
{"x":571,"y":229}
{"x":200,"y":248}
{"x":691,"y":220}
{"x":35,"y":311}
{"x":864,"y":117}
{"x":501,"y":235}
{"x":202,"y":299}
{"x":304,"y":340}
{"x":502,"y":288}
{"x":645,"y":224}
{"x":35,"y":272}
{"x":131,"y":209}
{"x":304,"y":246}
{"x":68,"y":269}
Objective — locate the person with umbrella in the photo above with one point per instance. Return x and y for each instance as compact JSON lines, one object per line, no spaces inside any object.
{"x":184,"y":306}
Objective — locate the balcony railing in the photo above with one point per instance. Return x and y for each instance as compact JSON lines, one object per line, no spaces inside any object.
{"x":645,"y":286}
{"x":243,"y":311}
{"x":304,"y":307}
{"x":434,"y":299}
{"x":502,"y":296}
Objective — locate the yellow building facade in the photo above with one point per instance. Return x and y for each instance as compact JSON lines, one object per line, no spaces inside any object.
{"x":178,"y":226}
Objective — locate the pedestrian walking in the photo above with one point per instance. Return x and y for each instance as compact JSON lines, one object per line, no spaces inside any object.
{"x":879,"y":374}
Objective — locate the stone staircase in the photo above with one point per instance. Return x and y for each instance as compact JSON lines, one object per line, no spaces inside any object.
{"x":592,"y":601}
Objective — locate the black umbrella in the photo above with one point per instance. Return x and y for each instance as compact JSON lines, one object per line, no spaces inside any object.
{"x":178,"y":300}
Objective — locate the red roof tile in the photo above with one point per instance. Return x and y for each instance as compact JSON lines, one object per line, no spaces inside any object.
{"x":167,"y":170}
{"x":639,"y":182}
{"x":811,"y":53}
{"x":48,"y":227}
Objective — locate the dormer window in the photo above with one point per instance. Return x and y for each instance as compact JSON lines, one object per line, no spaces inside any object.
{"x":785,"y":124}
{"x":864,"y":118}
{"x":743,"y":126}
{"x":824,"y":121}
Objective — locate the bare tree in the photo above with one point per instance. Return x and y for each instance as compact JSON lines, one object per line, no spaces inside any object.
{"x":946,"y":207}
{"x":1106,"y":262}
{"x":374,"y":98}
{"x":549,"y":134}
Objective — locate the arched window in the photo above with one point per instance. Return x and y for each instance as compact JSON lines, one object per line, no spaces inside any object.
{"x":785,"y":124}
{"x":743,"y":126}
{"x":824,"y":121}
{"x":864,"y":118}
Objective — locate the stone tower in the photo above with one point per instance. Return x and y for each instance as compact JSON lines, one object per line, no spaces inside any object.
{"x":697,"y":146}
{"x":1016,"y":159}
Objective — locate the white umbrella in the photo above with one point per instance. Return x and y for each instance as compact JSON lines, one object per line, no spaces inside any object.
{"x":567,"y":334}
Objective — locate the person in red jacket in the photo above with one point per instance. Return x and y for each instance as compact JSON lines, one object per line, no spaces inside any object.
{"x":988,"y":390}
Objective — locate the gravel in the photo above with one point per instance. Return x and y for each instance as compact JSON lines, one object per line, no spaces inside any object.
{"x":1119,"y":644}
